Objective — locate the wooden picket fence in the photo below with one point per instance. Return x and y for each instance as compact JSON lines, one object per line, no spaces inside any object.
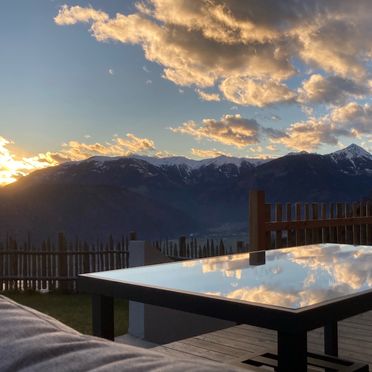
{"x":285,"y":225}
{"x":190,"y":248}
{"x":53,"y":266}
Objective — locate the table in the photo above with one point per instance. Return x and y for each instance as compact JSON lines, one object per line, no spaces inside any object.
{"x":291,"y":290}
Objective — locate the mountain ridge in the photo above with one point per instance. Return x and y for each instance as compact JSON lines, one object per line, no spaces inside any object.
{"x":199,"y":199}
{"x":350,"y":152}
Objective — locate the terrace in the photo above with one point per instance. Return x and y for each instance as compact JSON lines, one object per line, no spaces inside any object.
{"x":244,"y":341}
{"x":209,"y":339}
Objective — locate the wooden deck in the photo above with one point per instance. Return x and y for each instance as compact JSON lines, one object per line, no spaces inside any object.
{"x":355,"y":342}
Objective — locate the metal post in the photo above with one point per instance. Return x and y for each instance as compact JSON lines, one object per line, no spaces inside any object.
{"x":292,"y":352}
{"x":103,"y":316}
{"x":331,"y":339}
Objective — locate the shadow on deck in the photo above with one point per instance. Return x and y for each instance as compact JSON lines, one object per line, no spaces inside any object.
{"x":355,"y":342}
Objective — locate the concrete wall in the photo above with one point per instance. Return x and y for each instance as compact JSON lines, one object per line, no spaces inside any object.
{"x":159,"y":324}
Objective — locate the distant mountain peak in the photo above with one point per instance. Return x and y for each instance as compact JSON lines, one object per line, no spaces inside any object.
{"x":294,"y":153}
{"x":352,"y":151}
{"x":195,"y":164}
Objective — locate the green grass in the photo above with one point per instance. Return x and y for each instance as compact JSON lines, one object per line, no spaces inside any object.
{"x":71,"y":309}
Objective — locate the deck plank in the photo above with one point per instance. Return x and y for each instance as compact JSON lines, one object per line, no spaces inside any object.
{"x":355,"y":341}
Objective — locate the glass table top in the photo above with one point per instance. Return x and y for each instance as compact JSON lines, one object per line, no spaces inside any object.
{"x":292,"y":278}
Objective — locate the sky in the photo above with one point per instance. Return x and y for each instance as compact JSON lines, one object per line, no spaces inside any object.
{"x":254,"y":78}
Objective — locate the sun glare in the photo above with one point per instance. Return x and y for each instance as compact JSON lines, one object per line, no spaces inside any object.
{"x":12,"y":167}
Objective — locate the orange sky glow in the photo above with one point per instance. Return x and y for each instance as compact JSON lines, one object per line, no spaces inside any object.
{"x":12,"y":167}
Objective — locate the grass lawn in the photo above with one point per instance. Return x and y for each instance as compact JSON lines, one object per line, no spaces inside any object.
{"x":71,"y":309}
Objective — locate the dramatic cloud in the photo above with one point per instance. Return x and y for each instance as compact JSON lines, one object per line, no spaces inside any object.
{"x":309,"y":135}
{"x":245,"y":91}
{"x":332,"y":89}
{"x":12,"y":167}
{"x":247,"y":49}
{"x":354,"y":117}
{"x":74,"y":150}
{"x":350,"y":120}
{"x":230,"y":130}
{"x":200,"y":153}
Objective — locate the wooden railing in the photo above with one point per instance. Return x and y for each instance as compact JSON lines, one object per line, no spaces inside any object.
{"x":56,"y":266}
{"x":285,"y":225}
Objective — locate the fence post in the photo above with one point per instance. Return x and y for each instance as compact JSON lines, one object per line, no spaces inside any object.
{"x":62,"y":263}
{"x":132,"y":235}
{"x":182,"y":246}
{"x":239,"y":246}
{"x":257,"y":234}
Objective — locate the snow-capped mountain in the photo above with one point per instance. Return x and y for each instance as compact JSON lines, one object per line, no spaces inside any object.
{"x":351,"y":152}
{"x":104,"y":194}
{"x":195,"y":164}
{"x":353,"y":159}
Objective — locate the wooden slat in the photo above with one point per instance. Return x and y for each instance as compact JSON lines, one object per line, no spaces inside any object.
{"x":308,"y":229}
{"x":300,"y":233}
{"x":278,"y":218}
{"x":368,"y":226}
{"x":291,"y":235}
{"x":340,"y":228}
{"x":267,"y":218}
{"x":325,"y":230}
{"x":355,"y":342}
{"x":285,"y":225}
{"x":315,"y":217}
{"x":356,"y":224}
{"x":363,"y":227}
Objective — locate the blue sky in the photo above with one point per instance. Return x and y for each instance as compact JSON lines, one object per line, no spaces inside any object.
{"x":60,"y":83}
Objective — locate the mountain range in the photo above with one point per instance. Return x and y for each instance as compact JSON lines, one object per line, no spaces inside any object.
{"x":164,"y":197}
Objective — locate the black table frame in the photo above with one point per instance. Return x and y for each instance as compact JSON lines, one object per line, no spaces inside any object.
{"x":292,"y":325}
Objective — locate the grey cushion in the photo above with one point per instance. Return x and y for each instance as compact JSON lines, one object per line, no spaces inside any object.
{"x":32,"y":341}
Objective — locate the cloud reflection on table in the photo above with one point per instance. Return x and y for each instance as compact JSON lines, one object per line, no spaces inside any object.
{"x":290,"y":277}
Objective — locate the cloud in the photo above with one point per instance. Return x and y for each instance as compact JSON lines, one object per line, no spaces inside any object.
{"x":12,"y":167}
{"x":119,"y":146}
{"x":271,"y":147}
{"x":354,"y":117}
{"x":74,"y":14}
{"x":245,"y":91}
{"x":232,"y":130}
{"x":331,"y":89}
{"x":213,"y":153}
{"x":275,"y":117}
{"x":338,"y":39}
{"x":309,"y":135}
{"x":258,"y":44}
{"x":351,"y":120}
{"x":205,"y":96}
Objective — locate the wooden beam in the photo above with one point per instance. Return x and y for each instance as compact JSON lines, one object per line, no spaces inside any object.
{"x":287,"y":225}
{"x":257,"y":220}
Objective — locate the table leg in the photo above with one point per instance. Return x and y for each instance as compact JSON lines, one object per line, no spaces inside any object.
{"x":103,"y":316}
{"x":331,"y":339}
{"x":292,"y":352}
